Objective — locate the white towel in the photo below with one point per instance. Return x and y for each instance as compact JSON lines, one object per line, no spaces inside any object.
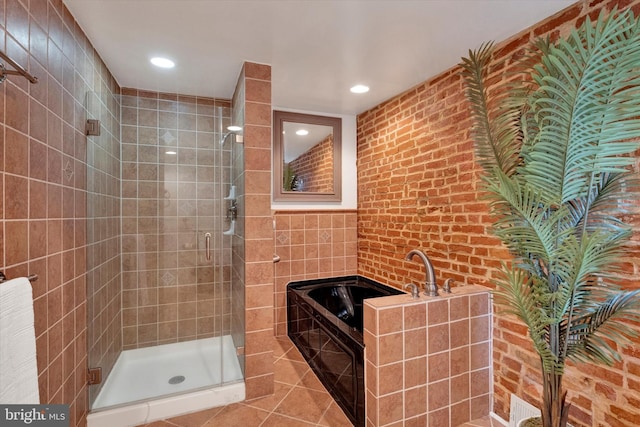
{"x":18,"y":366}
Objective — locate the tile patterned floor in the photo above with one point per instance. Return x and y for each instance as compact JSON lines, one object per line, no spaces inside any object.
{"x":299,"y":400}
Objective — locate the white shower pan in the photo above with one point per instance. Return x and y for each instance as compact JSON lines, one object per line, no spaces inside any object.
{"x":154,"y":383}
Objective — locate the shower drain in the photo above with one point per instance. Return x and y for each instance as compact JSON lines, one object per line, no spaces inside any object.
{"x":176,"y":380}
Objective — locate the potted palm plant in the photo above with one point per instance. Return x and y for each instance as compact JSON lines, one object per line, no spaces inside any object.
{"x":290,"y":179}
{"x":557,"y":141}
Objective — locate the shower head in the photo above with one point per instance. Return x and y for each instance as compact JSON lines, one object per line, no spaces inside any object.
{"x":224,"y":137}
{"x":232,"y":131}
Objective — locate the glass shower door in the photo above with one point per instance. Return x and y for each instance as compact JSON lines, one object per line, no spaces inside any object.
{"x":175,"y":278}
{"x":103,"y":233}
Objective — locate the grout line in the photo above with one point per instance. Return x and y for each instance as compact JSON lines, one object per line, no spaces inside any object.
{"x":326,"y":410}
{"x":278,"y":404}
{"x":298,"y":384}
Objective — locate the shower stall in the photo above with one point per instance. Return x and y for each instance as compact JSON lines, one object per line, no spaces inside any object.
{"x":161,"y":213}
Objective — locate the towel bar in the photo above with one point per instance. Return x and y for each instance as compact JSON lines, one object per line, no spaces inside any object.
{"x":19,"y":71}
{"x":32,"y":278}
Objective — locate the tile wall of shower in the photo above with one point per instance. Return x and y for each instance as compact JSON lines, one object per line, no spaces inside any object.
{"x":172,"y":186}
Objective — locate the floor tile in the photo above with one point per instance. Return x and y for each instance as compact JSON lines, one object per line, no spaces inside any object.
{"x":161,"y":423}
{"x":310,"y":380}
{"x":269,"y":403}
{"x":277,"y":420}
{"x":482,"y":422}
{"x":334,"y":417}
{"x":305,"y":404}
{"x":294,"y":354}
{"x":281,"y":347}
{"x":237,"y":415}
{"x":289,"y":371}
{"x":196,"y":419}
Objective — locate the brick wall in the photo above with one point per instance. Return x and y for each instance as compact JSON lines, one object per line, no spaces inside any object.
{"x":418,"y":188}
{"x":315,"y":167}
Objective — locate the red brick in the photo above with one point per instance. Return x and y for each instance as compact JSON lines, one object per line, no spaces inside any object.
{"x":512,"y":364}
{"x":606,"y":391}
{"x":557,"y":20}
{"x":513,"y":326}
{"x":633,"y":368}
{"x":625,"y":414}
{"x":579,"y":417}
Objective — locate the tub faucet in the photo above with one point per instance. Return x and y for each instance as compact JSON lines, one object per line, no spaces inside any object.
{"x":430,"y":287}
{"x":415,"y":292}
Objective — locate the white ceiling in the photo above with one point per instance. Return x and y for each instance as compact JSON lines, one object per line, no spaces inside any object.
{"x":318,"y":49}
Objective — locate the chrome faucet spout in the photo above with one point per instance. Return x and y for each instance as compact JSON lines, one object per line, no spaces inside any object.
{"x":431,"y":289}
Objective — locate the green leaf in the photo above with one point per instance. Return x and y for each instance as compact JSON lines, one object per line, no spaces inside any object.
{"x":556,"y":139}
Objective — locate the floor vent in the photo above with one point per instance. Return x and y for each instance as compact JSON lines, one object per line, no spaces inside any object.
{"x":521,"y":410}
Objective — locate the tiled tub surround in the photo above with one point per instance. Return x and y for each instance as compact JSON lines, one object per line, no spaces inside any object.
{"x":428,"y":361}
{"x":311,"y":245}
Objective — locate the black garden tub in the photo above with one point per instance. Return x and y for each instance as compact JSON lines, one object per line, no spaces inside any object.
{"x":325,"y":323}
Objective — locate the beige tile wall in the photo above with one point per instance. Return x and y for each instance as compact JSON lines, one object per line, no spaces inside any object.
{"x":43,"y":199}
{"x":311,"y":245}
{"x":174,"y":175}
{"x":256,"y":233}
{"x":428,"y":362}
{"x":43,"y":162}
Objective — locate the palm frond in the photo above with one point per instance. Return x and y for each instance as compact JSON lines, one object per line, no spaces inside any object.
{"x":586,"y":332}
{"x":557,"y":152}
{"x":495,"y":126}
{"x":591,"y":255}
{"x":525,"y":222}
{"x":581,"y":262}
{"x":518,"y":296}
{"x":583,"y":112}
{"x":610,"y":193}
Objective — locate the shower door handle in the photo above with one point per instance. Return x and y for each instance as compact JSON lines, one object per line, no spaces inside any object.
{"x":207,"y":246}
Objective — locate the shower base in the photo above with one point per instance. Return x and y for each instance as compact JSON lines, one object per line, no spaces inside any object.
{"x":152,"y":383}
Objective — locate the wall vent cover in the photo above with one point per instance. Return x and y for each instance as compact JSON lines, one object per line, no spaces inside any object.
{"x":521,"y":410}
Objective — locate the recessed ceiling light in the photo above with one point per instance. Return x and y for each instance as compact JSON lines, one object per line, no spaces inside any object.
{"x":359,"y":89}
{"x":170,"y":152}
{"x":162,"y":62}
{"x":234,"y":128}
{"x":302,"y":132}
